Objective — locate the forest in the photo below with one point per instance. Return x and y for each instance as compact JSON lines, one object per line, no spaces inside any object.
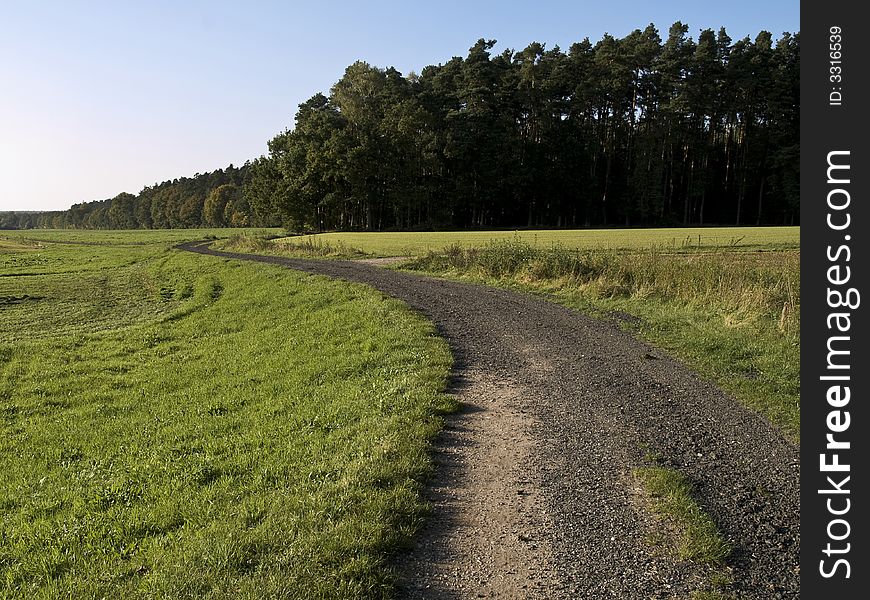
{"x":637,"y":131}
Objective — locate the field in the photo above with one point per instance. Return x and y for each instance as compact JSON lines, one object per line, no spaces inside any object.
{"x":418,"y":243}
{"x":178,"y":426}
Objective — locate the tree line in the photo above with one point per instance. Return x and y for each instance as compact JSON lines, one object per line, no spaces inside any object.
{"x":213,"y":199}
{"x":637,"y":131}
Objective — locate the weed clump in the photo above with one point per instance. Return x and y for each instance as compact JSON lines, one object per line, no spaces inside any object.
{"x":307,"y":246}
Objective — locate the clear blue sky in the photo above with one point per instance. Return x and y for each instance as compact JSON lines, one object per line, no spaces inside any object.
{"x":97,"y":98}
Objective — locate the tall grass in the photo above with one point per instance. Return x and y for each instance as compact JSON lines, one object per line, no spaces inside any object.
{"x":742,"y":285}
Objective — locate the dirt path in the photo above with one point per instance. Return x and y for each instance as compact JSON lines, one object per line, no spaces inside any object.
{"x":534,"y":493}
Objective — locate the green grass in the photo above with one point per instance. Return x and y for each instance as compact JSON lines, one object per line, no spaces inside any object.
{"x":697,"y":538}
{"x":692,"y":238}
{"x":16,"y":245}
{"x":50,"y":251}
{"x":181,"y":426}
{"x":230,"y":435}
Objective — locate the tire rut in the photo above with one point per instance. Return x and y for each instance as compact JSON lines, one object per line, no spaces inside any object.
{"x":579,"y":404}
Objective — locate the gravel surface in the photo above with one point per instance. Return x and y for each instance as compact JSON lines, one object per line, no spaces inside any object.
{"x":534,"y":495}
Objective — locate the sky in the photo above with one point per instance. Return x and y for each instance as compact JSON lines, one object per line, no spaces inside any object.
{"x":98,"y":98}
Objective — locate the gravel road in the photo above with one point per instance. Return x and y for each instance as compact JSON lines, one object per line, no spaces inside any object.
{"x":534,"y":495}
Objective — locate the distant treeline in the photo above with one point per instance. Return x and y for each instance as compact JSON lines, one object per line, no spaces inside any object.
{"x":631,"y":131}
{"x":206,"y":200}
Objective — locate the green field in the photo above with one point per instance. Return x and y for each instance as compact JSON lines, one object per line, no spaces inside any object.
{"x":180,"y":426}
{"x":417,"y":243}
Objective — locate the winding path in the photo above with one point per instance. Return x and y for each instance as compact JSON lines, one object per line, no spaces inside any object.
{"x":534,"y":495}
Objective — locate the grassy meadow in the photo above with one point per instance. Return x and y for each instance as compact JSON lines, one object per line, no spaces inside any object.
{"x":181,"y":426}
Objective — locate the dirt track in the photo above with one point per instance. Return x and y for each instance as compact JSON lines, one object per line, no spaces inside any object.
{"x":534,"y":496}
